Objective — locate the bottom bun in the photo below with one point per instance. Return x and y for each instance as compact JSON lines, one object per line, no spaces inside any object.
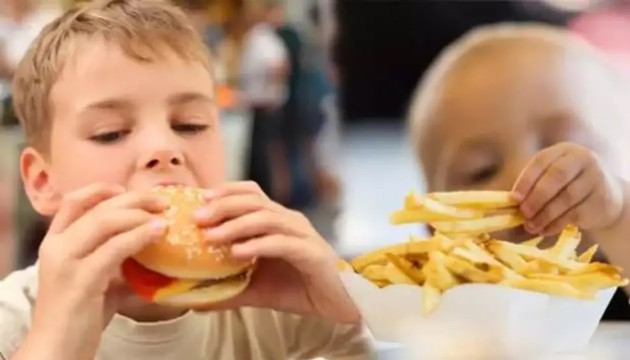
{"x":208,"y":295}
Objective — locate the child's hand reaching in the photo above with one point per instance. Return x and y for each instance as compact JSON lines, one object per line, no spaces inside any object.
{"x":296,"y":269}
{"x":567,"y":184}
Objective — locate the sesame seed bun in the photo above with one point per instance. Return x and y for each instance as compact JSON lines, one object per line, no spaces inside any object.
{"x":198,"y":269}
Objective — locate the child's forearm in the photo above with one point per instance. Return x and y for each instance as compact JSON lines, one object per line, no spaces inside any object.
{"x":614,"y":240}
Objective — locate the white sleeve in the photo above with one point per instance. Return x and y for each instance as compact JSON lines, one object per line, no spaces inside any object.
{"x":17,"y":297}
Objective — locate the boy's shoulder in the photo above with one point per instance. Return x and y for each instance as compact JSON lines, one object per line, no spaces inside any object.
{"x":17,"y":299}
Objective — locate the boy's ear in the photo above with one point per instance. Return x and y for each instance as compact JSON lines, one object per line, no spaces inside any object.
{"x":37,"y":182}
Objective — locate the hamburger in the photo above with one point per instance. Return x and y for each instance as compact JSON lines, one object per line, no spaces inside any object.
{"x":182,"y":269}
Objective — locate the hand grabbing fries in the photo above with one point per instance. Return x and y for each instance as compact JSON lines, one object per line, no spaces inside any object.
{"x":462,"y":251}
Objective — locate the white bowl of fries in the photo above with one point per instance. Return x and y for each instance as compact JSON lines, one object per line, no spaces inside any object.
{"x":462,"y":293}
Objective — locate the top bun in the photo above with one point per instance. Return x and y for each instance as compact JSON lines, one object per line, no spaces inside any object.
{"x":183,"y":252}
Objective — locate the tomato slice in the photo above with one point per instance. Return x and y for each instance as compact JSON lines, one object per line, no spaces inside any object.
{"x":144,"y":282}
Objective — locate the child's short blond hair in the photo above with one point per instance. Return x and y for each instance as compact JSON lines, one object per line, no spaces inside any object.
{"x":144,"y":29}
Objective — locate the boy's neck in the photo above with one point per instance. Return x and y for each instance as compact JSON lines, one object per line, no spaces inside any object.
{"x":143,"y":312}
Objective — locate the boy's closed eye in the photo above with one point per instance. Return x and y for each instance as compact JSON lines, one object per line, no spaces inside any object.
{"x":184,"y":128}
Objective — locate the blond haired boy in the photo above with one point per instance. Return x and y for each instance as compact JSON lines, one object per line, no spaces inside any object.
{"x":532,"y":109}
{"x":116,"y":97}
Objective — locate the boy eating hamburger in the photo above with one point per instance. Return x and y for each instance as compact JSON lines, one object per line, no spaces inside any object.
{"x":125,"y":156}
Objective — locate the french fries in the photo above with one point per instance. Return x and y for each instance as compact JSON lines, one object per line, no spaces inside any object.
{"x":462,"y":250}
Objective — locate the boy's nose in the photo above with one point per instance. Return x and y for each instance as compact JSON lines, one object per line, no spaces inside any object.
{"x":163,"y":159}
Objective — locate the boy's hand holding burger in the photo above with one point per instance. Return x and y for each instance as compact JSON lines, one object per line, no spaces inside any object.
{"x":182,"y":247}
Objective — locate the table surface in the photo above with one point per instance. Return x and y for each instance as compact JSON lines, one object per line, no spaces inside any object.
{"x":610,"y":342}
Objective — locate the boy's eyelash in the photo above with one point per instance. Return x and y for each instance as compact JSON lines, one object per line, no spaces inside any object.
{"x":109,"y":137}
{"x":189,"y":128}
{"x":114,"y":136}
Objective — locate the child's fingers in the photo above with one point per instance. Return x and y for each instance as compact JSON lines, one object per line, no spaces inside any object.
{"x":534,"y":170}
{"x":556,"y":177}
{"x":230,"y":207}
{"x":234,"y":188}
{"x":251,"y":225}
{"x":277,"y":246}
{"x":147,"y":201}
{"x":572,"y":216}
{"x":571,"y":196}
{"x":91,"y":232}
{"x":76,"y":204}
{"x":118,"y":248}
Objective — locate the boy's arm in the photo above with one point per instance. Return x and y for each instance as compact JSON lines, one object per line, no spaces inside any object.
{"x":614,"y":240}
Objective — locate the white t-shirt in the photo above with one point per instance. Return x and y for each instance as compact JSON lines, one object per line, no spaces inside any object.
{"x":16,"y":38}
{"x":240,"y":334}
{"x":263,"y":52}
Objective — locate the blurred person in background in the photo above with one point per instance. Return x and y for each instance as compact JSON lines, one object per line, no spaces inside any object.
{"x":20,"y":22}
{"x":199,"y":15}
{"x":264,"y":67}
{"x":607,"y":27}
{"x":531,"y":107}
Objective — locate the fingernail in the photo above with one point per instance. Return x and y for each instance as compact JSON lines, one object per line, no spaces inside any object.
{"x":209,"y":194}
{"x":517,"y":196}
{"x":531,"y":228}
{"x":158,"y":226}
{"x":526,"y":210}
{"x":202,"y":213}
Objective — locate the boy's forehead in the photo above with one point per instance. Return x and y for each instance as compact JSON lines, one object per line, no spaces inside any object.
{"x":98,"y":66}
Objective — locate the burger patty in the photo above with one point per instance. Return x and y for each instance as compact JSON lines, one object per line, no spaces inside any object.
{"x":209,"y":282}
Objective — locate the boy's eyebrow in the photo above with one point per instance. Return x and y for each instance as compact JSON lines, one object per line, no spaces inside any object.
{"x":110,"y":104}
{"x":124,"y":104}
{"x":187,"y":97}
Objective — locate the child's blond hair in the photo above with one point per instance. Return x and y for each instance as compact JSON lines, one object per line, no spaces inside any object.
{"x":144,"y":29}
{"x":607,"y":115}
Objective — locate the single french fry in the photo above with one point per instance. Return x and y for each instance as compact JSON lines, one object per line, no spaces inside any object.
{"x":436,"y":270}
{"x":415,"y":216}
{"x":404,"y":249}
{"x":533,"y":242}
{"x":590,"y":282}
{"x":476,"y":199}
{"x":406,"y":267}
{"x":587,"y":256}
{"x":507,"y":256}
{"x":550,"y":287}
{"x":538,"y":254}
{"x":568,"y":241}
{"x":470,"y":272}
{"x":430,"y":296}
{"x":539,"y":267}
{"x":395,"y":276}
{"x":375,"y":273}
{"x":476,"y":226}
{"x":452,"y":212}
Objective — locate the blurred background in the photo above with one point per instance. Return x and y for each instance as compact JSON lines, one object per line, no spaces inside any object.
{"x":343,"y":72}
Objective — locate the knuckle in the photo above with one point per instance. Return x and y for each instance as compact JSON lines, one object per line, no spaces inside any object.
{"x":571,"y":194}
{"x":557,"y":174}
